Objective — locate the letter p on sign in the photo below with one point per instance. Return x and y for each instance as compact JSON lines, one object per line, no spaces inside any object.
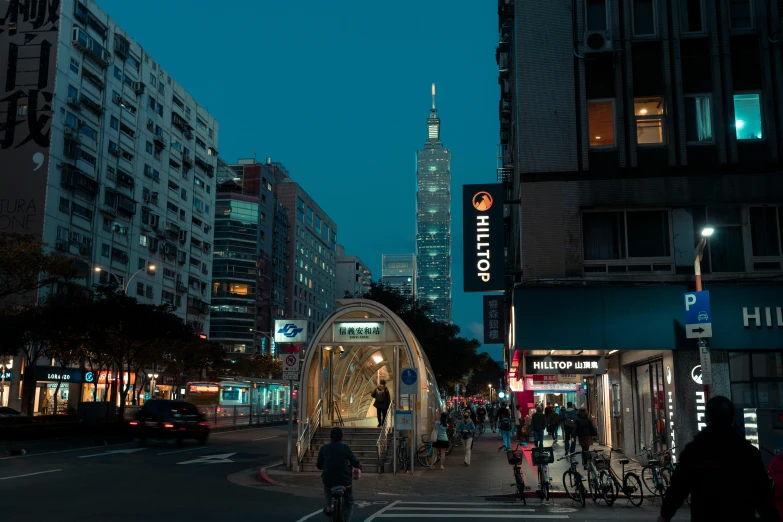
{"x":690,"y":300}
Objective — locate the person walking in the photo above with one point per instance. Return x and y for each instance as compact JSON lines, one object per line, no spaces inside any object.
{"x":467,"y":429}
{"x":585,"y":431}
{"x":718,"y":452}
{"x":568,"y":421}
{"x":493,"y":417}
{"x":335,"y":460}
{"x":382,"y":401}
{"x":481,"y":414}
{"x":518,"y":418}
{"x":441,"y":442}
{"x":506,"y":425}
{"x":538,"y":425}
{"x":553,"y":424}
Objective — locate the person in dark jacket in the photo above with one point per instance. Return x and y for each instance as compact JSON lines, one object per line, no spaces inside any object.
{"x":585,"y":431}
{"x":716,"y":453}
{"x":382,"y":401}
{"x":568,"y":421}
{"x":335,"y":460}
{"x":538,"y":425}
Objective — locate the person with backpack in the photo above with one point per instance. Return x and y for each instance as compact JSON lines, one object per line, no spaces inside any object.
{"x":553,"y":424}
{"x":568,"y":421}
{"x":538,"y":425}
{"x":585,"y":432}
{"x":505,"y":424}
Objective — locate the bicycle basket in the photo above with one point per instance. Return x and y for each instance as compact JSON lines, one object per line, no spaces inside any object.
{"x":542,"y":456}
{"x":514,"y":457}
{"x":601,"y":462}
{"x":426,"y":438}
{"x":643,"y":458}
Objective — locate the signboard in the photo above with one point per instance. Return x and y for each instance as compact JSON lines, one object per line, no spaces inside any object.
{"x":531,"y":385}
{"x":203,"y":388}
{"x":554,"y":364}
{"x":698,"y":318}
{"x":568,"y":378}
{"x":706,"y":365}
{"x":409,"y":381}
{"x":358,"y":332}
{"x":482,"y":225}
{"x":291,"y":331}
{"x":403,"y":420}
{"x":5,"y":375}
{"x":291,"y":367}
{"x":494,"y":313}
{"x":54,"y":373}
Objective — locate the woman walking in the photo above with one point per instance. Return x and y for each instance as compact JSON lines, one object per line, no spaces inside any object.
{"x":441,"y":442}
{"x":467,"y":429}
{"x":505,"y":424}
{"x":585,"y":432}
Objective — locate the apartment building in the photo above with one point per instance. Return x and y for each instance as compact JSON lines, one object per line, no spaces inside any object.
{"x":353,"y":277}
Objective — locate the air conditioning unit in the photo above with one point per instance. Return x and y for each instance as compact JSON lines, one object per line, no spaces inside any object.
{"x":183,"y":235}
{"x":598,"y":41}
{"x":154,"y":221}
{"x":73,"y":101}
{"x":137,"y":87}
{"x":114,"y":149}
{"x":69,"y":131}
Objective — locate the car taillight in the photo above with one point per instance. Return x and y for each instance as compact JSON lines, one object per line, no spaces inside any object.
{"x":218,"y":409}
{"x":203,"y":423}
{"x":133,"y":423}
{"x":168,"y":425}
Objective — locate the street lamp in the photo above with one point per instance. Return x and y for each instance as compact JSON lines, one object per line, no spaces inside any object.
{"x":705,"y":233}
{"x":152,"y":377}
{"x":490,"y":393}
{"x":119,"y":281}
{"x":3,"y":367}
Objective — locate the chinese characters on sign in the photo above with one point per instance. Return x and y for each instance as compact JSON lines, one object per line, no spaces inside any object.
{"x":356,"y":332}
{"x":553,"y":365}
{"x":28,"y":39}
{"x":493,"y":319}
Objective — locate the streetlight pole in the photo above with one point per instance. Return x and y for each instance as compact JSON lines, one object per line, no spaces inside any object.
{"x":119,"y":281}
{"x":698,"y":255}
{"x":152,"y":377}
{"x":490,"y":393}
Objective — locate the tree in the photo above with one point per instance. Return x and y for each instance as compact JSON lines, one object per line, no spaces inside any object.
{"x":486,"y":372}
{"x":262,"y":366}
{"x":191,"y":358}
{"x":25,"y":267}
{"x":21,"y":335}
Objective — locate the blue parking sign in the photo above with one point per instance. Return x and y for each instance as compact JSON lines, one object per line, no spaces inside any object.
{"x":698,"y":317}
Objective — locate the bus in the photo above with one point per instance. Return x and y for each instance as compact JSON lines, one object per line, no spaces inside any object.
{"x":226,"y":398}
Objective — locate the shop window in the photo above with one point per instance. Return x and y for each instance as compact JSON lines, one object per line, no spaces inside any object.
{"x":765,"y":232}
{"x":239,"y":289}
{"x":692,"y":16}
{"x":741,"y":14}
{"x":756,"y":379}
{"x":649,"y":120}
{"x":626,"y":235}
{"x":725,"y":252}
{"x":698,"y":118}
{"x":596,"y":15}
{"x":644,"y":18}
{"x":600,"y":123}
{"x":768,"y":364}
{"x":747,"y":116}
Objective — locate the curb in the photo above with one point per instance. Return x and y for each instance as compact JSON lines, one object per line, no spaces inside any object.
{"x":263,"y":477}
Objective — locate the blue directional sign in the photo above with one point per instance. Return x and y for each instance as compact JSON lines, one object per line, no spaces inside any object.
{"x":698,"y":317}
{"x":409,"y":379}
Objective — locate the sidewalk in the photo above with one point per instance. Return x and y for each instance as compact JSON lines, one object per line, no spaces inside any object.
{"x":489,"y":475}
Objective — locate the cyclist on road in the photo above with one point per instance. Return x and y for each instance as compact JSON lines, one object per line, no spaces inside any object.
{"x":335,"y":460}
{"x":705,"y":466}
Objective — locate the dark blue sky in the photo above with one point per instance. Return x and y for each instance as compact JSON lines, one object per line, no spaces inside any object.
{"x":339,"y":92}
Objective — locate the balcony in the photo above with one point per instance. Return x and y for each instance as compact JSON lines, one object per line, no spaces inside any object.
{"x":91,"y":105}
{"x":121,"y":46}
{"x":160,"y":141}
{"x":187,"y":162}
{"x":75,"y":179}
{"x":179,"y":122}
{"x":125,"y":205}
{"x":126,"y":179}
{"x":90,"y":47}
{"x":72,"y":102}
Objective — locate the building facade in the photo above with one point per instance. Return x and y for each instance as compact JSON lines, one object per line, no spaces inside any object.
{"x":312,"y":252}
{"x":433,"y":220}
{"x":398,"y":271}
{"x":122,"y":176}
{"x":624,"y":134}
{"x":353,"y":275}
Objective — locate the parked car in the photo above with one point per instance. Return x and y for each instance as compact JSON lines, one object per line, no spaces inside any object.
{"x":177,"y":420}
{"x":10,"y":412}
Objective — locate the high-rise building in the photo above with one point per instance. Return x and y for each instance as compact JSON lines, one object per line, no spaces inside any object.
{"x":242,"y":307}
{"x":312,"y":252}
{"x":398,"y":271}
{"x":105,"y":156}
{"x":353,"y":275}
{"x":433,"y":220}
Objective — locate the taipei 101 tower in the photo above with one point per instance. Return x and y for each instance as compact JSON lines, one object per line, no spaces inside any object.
{"x":433,"y":220}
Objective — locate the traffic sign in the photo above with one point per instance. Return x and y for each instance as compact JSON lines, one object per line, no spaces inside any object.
{"x":291,"y":367}
{"x":403,"y":420}
{"x":409,"y":380}
{"x":698,"y":318}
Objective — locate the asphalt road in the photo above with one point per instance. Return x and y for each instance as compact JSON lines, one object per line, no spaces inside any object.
{"x":162,"y":482}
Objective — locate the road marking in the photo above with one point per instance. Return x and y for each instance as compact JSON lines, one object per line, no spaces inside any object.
{"x":221,"y":458}
{"x":180,"y":451}
{"x":311,"y":515}
{"x":30,"y":474}
{"x":60,"y":451}
{"x":265,"y":438}
{"x":132,"y":450}
{"x":505,"y":510}
{"x":242,"y":430}
{"x":467,"y":515}
{"x":380,"y":512}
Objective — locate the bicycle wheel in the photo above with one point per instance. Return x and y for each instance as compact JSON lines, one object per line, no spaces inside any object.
{"x":450,"y":448}
{"x":402,"y":459}
{"x":521,"y":488}
{"x":582,"y":493}
{"x":545,"y":491}
{"x":570,"y":484}
{"x":632,"y":489}
{"x":663,"y":484}
{"x":424,"y":455}
{"x":608,"y":487}
{"x":649,"y":479}
{"x":592,"y":484}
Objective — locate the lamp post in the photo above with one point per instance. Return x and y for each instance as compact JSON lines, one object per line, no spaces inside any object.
{"x":3,"y":367}
{"x":698,"y":255}
{"x":152,"y":377}
{"x":119,"y":281}
{"x":490,"y":393}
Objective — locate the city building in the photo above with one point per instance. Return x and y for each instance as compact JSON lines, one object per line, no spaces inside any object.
{"x":353,"y":276}
{"x":280,"y":269}
{"x":433,"y":220}
{"x":106,"y":157}
{"x":312,"y":252}
{"x":242,"y":310}
{"x":399,"y":271}
{"x":628,"y":135}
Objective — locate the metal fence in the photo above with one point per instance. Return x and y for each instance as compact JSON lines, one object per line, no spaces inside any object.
{"x":224,"y":416}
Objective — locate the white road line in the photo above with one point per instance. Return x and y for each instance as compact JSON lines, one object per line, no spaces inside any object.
{"x":180,"y":451}
{"x":243,"y":430}
{"x":406,"y":503}
{"x":380,"y":512}
{"x":64,"y":451}
{"x":265,"y":438}
{"x":311,"y":515}
{"x":483,"y":510}
{"x":466,"y":515}
{"x":31,"y":474}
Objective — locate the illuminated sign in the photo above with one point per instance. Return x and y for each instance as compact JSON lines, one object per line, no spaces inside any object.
{"x":593,"y":365}
{"x":550,"y":385}
{"x":701,"y":411}
{"x":203,"y":388}
{"x":696,"y":374}
{"x":358,"y":332}
{"x":291,"y":331}
{"x":483,"y":248}
{"x":51,"y":373}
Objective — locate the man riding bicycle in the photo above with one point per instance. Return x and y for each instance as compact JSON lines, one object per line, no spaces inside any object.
{"x":335,"y":460}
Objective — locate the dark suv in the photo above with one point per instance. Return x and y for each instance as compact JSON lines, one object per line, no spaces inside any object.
{"x":178,"y":420}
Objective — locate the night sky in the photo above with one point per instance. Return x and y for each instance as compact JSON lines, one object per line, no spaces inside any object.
{"x":339,"y":92}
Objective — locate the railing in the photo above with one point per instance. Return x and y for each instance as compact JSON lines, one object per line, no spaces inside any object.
{"x":227,"y":416}
{"x":308,"y":432}
{"x":383,"y":438}
{"x":339,"y":415}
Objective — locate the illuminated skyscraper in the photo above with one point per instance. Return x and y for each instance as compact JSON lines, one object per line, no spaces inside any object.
{"x":433,"y":220}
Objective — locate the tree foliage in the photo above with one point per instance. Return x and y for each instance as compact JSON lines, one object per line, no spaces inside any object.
{"x":24,"y":266}
{"x":486,"y":372}
{"x":260,"y":365}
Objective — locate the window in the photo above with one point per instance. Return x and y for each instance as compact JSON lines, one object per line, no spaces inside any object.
{"x":692,"y":16}
{"x":62,"y":234}
{"x":148,"y":147}
{"x":140,"y":288}
{"x":199,"y":182}
{"x":153,"y":80}
{"x":698,"y":118}
{"x":73,"y":92}
{"x":143,"y":241}
{"x":595,"y":15}
{"x":151,"y":102}
{"x":105,"y":250}
{"x":649,"y":120}
{"x":142,"y":264}
{"x":626,"y":235}
{"x":183,"y":194}
{"x":86,"y":156}
{"x":75,"y":65}
{"x":725,"y":252}
{"x":118,"y":73}
{"x":644,"y":18}
{"x":755,"y":380}
{"x":747,"y":116}
{"x":114,"y":123}
{"x":741,"y":14}
{"x":600,"y":123}
{"x":91,"y":133}
{"x":71,"y":121}
{"x":161,"y":88}
{"x":65,"y":205}
{"x":766,"y":224}
{"x":239,"y":289}
{"x":309,"y":216}
{"x":198,"y":204}
{"x":172,"y":207}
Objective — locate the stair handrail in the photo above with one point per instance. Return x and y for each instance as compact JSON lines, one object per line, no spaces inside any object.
{"x":383,"y":438}
{"x":339,"y":415}
{"x":310,"y":428}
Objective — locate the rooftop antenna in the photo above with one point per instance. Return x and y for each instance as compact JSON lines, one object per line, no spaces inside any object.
{"x":433,"y":95}
{"x":254,"y":157}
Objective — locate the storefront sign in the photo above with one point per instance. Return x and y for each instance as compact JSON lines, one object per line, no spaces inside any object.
{"x":531,"y":385}
{"x":358,"y":332}
{"x":52,"y":373}
{"x":6,"y":375}
{"x":104,"y":376}
{"x":769,"y":318}
{"x":493,"y":319}
{"x":552,"y":365}
{"x":482,"y":225}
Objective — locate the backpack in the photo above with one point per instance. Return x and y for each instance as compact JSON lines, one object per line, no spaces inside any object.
{"x":569,"y":422}
{"x":505,"y":424}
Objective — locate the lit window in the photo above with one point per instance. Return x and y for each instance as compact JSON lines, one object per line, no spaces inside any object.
{"x":239,"y":289}
{"x":649,"y":119}
{"x":747,"y":116}
{"x":698,"y":118}
{"x":600,"y":123}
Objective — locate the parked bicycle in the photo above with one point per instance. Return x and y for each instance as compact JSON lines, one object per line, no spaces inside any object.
{"x":655,"y":481}
{"x":403,"y":458}
{"x":573,"y":482}
{"x":593,"y":485}
{"x":627,"y":482}
{"x":542,"y":458}
{"x":338,"y":507}
{"x":515,"y":459}
{"x":427,"y":451}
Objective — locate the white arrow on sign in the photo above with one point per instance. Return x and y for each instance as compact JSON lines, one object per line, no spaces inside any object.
{"x":221,"y":458}
{"x":133,"y":450}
